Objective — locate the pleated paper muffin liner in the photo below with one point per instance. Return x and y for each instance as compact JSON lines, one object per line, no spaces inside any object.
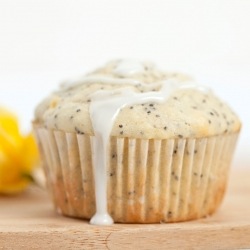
{"x":148,"y":181}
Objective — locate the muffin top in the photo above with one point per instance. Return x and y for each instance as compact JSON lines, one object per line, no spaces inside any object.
{"x":138,"y":100}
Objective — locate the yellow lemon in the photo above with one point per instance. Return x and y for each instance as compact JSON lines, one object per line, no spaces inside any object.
{"x":18,"y":154}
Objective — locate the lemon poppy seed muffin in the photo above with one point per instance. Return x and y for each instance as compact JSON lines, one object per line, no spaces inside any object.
{"x":133,"y":144}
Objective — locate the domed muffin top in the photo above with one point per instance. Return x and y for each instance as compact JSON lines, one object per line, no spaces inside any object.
{"x":146,"y":103}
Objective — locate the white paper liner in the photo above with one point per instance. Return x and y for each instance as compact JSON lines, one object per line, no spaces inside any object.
{"x":148,"y":180}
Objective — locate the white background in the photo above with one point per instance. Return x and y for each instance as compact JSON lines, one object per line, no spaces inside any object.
{"x":45,"y":41}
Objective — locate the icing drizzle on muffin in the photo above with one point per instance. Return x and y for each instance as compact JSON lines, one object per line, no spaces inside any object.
{"x":133,"y":99}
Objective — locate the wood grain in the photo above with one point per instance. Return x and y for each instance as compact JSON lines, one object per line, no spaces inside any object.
{"x":28,"y":221}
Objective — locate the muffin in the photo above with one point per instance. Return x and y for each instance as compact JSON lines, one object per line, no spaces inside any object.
{"x":131,"y":143}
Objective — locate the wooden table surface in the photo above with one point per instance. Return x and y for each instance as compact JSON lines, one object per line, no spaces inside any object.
{"x":28,"y":221}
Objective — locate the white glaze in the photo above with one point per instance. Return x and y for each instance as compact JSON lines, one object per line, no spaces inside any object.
{"x":127,"y":68}
{"x":102,"y":79}
{"x":105,"y":105}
